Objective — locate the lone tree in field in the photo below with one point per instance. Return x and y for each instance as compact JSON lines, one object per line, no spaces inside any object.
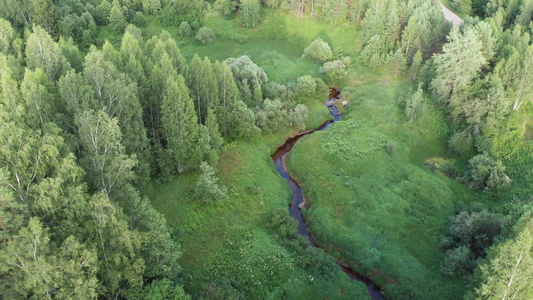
{"x":318,"y":51}
{"x":205,"y":35}
{"x":207,"y":188}
{"x":185,"y":30}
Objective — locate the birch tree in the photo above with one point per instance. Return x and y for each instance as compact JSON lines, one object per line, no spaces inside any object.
{"x":103,"y":156}
{"x":459,"y":63}
{"x":507,"y":272}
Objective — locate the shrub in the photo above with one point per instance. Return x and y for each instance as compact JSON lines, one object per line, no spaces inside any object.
{"x":461,"y":143}
{"x":305,"y":86}
{"x":205,"y":35}
{"x":139,"y":19}
{"x":274,"y":90}
{"x":206,"y":188}
{"x":335,"y":70}
{"x":318,"y":51}
{"x":391,"y":148}
{"x":469,"y":237}
{"x":185,"y":30}
{"x":298,"y":116}
{"x":321,"y":87}
{"x":441,"y":165}
{"x":485,"y":173}
{"x":272,"y":116}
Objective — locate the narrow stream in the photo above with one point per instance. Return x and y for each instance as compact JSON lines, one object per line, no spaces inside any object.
{"x":280,"y":159}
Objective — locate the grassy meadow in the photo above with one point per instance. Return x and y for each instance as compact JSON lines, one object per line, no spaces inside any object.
{"x":231,"y":239}
{"x":373,"y":203}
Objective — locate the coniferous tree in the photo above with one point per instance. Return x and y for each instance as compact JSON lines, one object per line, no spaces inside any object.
{"x":250,"y":12}
{"x":179,"y":126}
{"x":116,"y":18}
{"x":216,"y":141}
{"x":44,"y":15}
{"x":228,"y":94}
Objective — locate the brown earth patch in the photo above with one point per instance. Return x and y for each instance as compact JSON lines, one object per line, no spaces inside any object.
{"x":228,"y":161}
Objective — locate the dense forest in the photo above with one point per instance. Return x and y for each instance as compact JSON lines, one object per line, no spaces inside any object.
{"x":136,"y":140}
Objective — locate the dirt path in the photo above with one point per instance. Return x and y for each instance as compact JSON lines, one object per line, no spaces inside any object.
{"x":450,"y":16}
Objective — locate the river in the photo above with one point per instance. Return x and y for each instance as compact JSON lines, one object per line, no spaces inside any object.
{"x":280,"y":159}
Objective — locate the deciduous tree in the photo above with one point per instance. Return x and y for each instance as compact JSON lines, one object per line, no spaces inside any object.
{"x":250,"y":12}
{"x":104,"y":158}
{"x":459,"y":63}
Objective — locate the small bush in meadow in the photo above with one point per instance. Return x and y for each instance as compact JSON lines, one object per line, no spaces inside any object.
{"x":205,"y":35}
{"x":335,"y":70}
{"x":185,"y":30}
{"x":318,"y":51}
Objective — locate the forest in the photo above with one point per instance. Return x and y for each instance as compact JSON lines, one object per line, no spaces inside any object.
{"x":137,"y":140}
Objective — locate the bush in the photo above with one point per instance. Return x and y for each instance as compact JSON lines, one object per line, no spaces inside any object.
{"x":461,"y":143}
{"x":185,"y":30}
{"x":470,"y":236}
{"x":318,"y":51}
{"x":139,"y":19}
{"x":298,"y":116}
{"x":272,"y":117}
{"x":305,"y":86}
{"x":205,"y":35}
{"x":441,"y":165}
{"x":335,"y":70}
{"x":391,"y":148}
{"x":274,"y":90}
{"x":206,"y":188}
{"x":485,"y":173}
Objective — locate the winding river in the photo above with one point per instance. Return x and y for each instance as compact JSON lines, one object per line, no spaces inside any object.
{"x":280,"y":159}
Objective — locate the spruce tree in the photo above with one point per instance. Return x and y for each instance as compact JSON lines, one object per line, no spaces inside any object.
{"x":179,"y":125}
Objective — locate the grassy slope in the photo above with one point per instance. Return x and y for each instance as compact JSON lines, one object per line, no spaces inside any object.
{"x":276,"y":44}
{"x":230,"y":239}
{"x":384,"y":214}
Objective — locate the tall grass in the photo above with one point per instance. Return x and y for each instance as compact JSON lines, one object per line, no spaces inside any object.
{"x":372,"y":202}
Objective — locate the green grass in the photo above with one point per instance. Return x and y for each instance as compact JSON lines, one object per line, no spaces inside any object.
{"x":382,"y":213}
{"x":276,"y":45}
{"x":229,"y":239}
